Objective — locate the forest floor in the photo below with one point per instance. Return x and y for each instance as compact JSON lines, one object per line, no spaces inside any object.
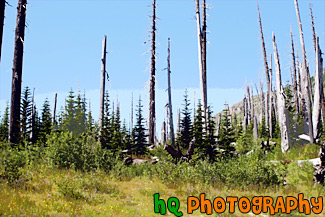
{"x":57,"y":192}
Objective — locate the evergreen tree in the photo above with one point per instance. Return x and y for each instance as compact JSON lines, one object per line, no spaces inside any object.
{"x":140,"y":136}
{"x":80,"y":115}
{"x":90,"y":120}
{"x":69,"y":121}
{"x":198,"y":132}
{"x":210,"y":138}
{"x":26,"y":111}
{"x":226,"y":133}
{"x":106,"y":132}
{"x":46,"y":124}
{"x":116,"y":130}
{"x":185,"y":134}
{"x":4,"y":125}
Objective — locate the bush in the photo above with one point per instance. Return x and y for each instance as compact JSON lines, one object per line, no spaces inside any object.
{"x":11,"y":163}
{"x":80,"y":152}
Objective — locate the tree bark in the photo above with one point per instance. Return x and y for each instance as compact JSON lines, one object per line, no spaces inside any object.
{"x":54,"y":109}
{"x":14,"y":128}
{"x":152,"y":102}
{"x":2,"y":18}
{"x":294,"y":75}
{"x":282,"y":111}
{"x":318,"y":91}
{"x":245,"y":116}
{"x":305,"y":83}
{"x":249,"y":106}
{"x":170,"y":109}
{"x":268,"y":115}
{"x":201,"y":35}
{"x":102,"y":85}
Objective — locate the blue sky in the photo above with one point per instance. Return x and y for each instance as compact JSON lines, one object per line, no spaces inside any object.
{"x":64,"y":37}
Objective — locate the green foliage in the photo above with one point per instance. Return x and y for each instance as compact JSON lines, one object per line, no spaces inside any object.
{"x":80,"y":152}
{"x":185,"y":135}
{"x":69,"y":189}
{"x":26,"y":112}
{"x":46,"y":124}
{"x":4,"y":125}
{"x":140,"y":136}
{"x":245,"y":141}
{"x":226,"y":133}
{"x":11,"y":163}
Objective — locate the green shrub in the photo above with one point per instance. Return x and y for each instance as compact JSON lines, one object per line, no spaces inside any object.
{"x":11,"y":163}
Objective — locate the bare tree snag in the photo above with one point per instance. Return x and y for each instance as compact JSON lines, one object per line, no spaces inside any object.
{"x":54,"y":109}
{"x":102,"y":85}
{"x":318,"y":91}
{"x":282,"y":112}
{"x":294,"y":75}
{"x":152,"y":102}
{"x":17,"y":72}
{"x":131,"y":121}
{"x":255,"y":126}
{"x":163,"y":133}
{"x":304,"y":81}
{"x":202,"y":55}
{"x":170,"y":109}
{"x":313,"y":26}
{"x":268,"y":115}
{"x":271,"y":102}
{"x":249,"y":106}
{"x":2,"y":18}
{"x":245,"y":115}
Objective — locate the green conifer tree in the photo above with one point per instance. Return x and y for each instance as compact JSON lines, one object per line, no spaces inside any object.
{"x":140,"y":136}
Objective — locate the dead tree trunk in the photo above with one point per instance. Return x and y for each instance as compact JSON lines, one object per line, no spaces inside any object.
{"x":163,"y":133}
{"x":249,"y":107}
{"x":318,"y":91}
{"x":102,"y":85}
{"x":271,"y":103}
{"x":17,"y":72}
{"x":54,"y":109}
{"x":282,"y":112}
{"x":268,"y":115}
{"x":245,"y":116}
{"x":255,"y":126}
{"x":152,"y":102}
{"x":170,"y":109}
{"x":202,"y":54}
{"x":294,"y":75}
{"x":305,"y":83}
{"x":2,"y":18}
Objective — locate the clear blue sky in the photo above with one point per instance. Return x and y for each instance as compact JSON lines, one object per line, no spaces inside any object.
{"x":64,"y":37}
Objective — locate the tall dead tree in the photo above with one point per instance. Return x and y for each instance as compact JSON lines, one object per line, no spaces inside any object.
{"x":255,"y":125}
{"x":201,"y":32}
{"x":2,"y":18}
{"x":17,"y":72}
{"x":318,"y":91}
{"x":282,"y":111}
{"x":268,"y":112}
{"x":54,"y":109}
{"x":304,"y":79}
{"x":152,"y":102}
{"x":102,"y":84}
{"x":294,"y":75}
{"x":321,"y":73}
{"x":170,"y":109}
{"x":245,"y":116}
{"x":249,"y":106}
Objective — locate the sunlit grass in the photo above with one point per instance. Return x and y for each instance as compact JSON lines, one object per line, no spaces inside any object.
{"x":56,"y":192}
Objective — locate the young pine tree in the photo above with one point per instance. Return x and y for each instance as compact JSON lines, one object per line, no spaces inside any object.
{"x":46,"y":124}
{"x":26,"y":111}
{"x":140,"y":136}
{"x":185,"y":135}
{"x":226,"y":133}
{"x":4,"y":125}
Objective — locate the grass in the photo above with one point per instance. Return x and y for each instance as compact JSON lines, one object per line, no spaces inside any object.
{"x":46,"y":191}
